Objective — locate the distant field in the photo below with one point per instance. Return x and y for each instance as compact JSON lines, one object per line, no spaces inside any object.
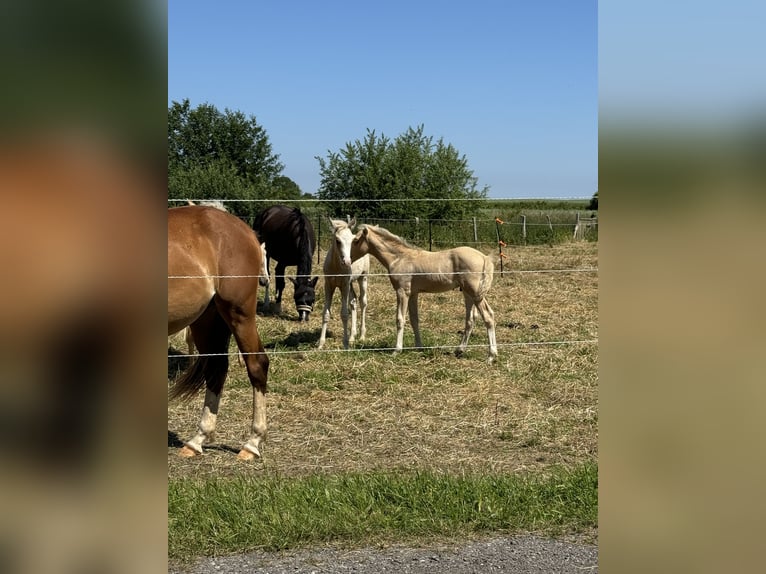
{"x":366,"y":412}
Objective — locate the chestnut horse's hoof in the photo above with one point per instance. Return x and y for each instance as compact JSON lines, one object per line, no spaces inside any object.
{"x":188,"y":452}
{"x":246,"y":455}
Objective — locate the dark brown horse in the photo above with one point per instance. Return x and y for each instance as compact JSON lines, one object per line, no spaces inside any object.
{"x":214,"y":262}
{"x":290,"y":237}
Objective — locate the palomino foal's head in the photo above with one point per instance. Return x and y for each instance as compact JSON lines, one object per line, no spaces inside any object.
{"x":343,"y":238}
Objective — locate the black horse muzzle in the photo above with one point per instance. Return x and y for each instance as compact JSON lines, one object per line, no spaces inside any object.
{"x":304,"y":311}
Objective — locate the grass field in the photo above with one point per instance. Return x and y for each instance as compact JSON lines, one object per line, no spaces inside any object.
{"x":355,"y":421}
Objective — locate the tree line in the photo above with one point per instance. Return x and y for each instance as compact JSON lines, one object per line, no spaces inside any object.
{"x":228,"y":155}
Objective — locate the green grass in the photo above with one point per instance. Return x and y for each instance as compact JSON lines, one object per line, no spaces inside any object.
{"x":235,"y":514}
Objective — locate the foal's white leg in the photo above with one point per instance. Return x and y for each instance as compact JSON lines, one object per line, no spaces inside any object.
{"x":488,"y":316}
{"x":329,"y":291}
{"x":362,"y":301}
{"x":206,"y":427}
{"x":353,"y":303}
{"x":469,"y":311}
{"x":345,"y":293}
{"x":414,"y":319}
{"x":402,"y":297}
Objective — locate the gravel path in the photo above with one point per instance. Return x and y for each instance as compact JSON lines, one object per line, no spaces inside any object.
{"x":517,"y":554}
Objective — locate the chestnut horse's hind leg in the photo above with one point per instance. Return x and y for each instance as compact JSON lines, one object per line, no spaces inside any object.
{"x":243,"y":326}
{"x":212,"y":335}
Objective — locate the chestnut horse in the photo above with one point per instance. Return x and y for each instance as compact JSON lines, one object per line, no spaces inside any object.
{"x":412,"y":271}
{"x":214,"y":262}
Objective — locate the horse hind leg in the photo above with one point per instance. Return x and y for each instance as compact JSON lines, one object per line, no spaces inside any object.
{"x":243,"y":325}
{"x":469,"y":321}
{"x":488,"y":316}
{"x":212,"y":336}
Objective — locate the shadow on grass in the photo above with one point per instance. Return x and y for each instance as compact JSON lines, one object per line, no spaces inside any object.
{"x":175,"y":442}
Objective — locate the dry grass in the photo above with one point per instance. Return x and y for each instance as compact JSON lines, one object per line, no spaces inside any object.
{"x":332,"y":412}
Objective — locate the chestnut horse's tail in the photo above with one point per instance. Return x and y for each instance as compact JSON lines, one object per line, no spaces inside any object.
{"x":487,"y":273}
{"x":210,"y":371}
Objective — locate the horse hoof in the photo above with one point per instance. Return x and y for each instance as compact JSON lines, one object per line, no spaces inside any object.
{"x":246,"y":455}
{"x":188,"y":452}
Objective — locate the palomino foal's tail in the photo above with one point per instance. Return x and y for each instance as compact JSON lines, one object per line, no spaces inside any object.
{"x":210,"y":371}
{"x":487,"y":273}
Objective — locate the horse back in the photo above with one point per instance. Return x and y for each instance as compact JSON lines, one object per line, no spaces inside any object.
{"x":215,"y":253}
{"x":288,"y":233}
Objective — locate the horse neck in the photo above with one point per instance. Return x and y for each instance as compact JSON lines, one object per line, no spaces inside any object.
{"x":385,"y":251}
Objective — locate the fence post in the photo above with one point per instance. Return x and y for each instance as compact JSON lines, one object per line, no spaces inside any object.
{"x":550,"y":225}
{"x":577,"y":226}
{"x":319,"y":235}
{"x":500,"y":243}
{"x":430,"y":236}
{"x":524,"y":228}
{"x":475,"y":232}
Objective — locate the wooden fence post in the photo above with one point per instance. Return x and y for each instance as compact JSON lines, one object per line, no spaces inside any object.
{"x":500,"y":243}
{"x":319,"y":235}
{"x":475,"y":232}
{"x":430,"y":236}
{"x":524,"y":228}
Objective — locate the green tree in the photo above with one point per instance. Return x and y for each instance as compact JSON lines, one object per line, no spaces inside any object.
{"x":412,"y":166}
{"x":222,"y":155}
{"x":285,"y":188}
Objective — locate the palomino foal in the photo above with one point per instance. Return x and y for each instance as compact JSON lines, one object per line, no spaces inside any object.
{"x":413,"y":271}
{"x":340,"y":273}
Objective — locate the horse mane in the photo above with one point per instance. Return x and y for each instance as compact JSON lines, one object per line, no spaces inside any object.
{"x":392,"y":237}
{"x":339,"y":223}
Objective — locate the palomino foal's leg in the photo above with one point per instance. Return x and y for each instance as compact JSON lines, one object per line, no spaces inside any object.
{"x":488,"y":316}
{"x":362,"y":303}
{"x":414,"y":319}
{"x":353,"y":302}
{"x":469,"y":311}
{"x":329,"y":291}
{"x":402,"y":296}
{"x":345,"y":296}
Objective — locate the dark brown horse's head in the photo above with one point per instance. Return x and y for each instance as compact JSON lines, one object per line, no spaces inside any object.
{"x":304,"y":295}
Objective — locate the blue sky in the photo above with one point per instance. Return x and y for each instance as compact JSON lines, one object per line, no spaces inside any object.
{"x":511,"y":85}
